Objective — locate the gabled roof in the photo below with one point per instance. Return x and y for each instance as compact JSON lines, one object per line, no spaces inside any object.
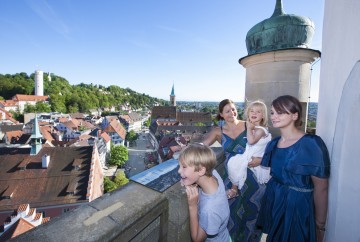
{"x":8,"y":116}
{"x":126,"y":118}
{"x":87,"y":124}
{"x":105,"y":136}
{"x":78,"y":115}
{"x":116,"y":126}
{"x":9,"y":103}
{"x":34,"y":98}
{"x":22,"y":220}
{"x":135,"y":117}
{"x":19,"y":227}
{"x":63,"y":119}
{"x":72,"y":124}
{"x":43,"y":186}
{"x":14,"y":136}
{"x":172,"y":144}
{"x":46,"y":132}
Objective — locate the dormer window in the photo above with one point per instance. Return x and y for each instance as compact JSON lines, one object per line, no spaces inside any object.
{"x":8,"y":193}
{"x":77,"y":164}
{"x":71,"y":189}
{"x":23,"y":164}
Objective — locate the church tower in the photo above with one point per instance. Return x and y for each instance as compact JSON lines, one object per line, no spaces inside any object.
{"x":172,"y":97}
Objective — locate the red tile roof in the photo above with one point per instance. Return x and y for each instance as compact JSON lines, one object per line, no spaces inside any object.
{"x":14,"y":136}
{"x":19,"y":227}
{"x":9,"y":103}
{"x":116,"y":126}
{"x":105,"y":136}
{"x":8,"y":116}
{"x":21,"y":221}
{"x":46,"y":133}
{"x":20,"y":97}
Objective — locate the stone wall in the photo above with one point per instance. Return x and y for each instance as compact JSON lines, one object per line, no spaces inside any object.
{"x":130,"y":213}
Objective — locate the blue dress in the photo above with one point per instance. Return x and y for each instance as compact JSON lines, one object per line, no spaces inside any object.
{"x":287,"y":208}
{"x":244,"y":209}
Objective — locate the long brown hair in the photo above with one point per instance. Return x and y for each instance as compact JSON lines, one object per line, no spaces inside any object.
{"x":222,"y":104}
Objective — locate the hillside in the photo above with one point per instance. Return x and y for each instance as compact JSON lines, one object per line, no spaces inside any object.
{"x":68,"y":98}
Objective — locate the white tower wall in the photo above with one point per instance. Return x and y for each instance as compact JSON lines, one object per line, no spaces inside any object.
{"x":281,"y":72}
{"x":39,"y":83}
{"x":339,"y":114}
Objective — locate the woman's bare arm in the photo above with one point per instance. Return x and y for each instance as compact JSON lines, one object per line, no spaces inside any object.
{"x":213,"y":136}
{"x":321,"y":189}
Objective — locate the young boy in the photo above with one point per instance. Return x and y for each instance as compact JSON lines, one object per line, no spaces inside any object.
{"x":208,"y":205}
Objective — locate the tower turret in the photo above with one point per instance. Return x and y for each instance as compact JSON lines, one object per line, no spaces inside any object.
{"x":36,"y":138}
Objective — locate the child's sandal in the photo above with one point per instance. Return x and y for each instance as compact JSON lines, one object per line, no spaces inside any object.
{"x":232,"y":193}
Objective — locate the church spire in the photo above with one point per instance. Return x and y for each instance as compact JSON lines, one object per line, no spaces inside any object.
{"x":172,"y":97}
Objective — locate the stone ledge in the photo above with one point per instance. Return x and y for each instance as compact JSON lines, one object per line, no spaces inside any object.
{"x":119,"y":215}
{"x":130,"y":213}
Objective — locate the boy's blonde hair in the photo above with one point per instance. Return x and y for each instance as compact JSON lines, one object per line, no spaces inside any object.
{"x":199,"y":155}
{"x":262,"y":105}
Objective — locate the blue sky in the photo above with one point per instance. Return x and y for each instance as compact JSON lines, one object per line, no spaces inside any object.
{"x":146,"y":45}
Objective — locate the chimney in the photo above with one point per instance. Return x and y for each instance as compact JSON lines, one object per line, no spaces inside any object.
{"x":45,"y":160}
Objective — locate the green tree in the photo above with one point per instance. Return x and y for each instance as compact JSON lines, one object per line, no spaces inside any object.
{"x":42,"y":107}
{"x":120,"y":179}
{"x":57,"y":103}
{"x":200,"y":124}
{"x":109,"y":185}
{"x":18,"y":116}
{"x":118,"y":155}
{"x":147,"y":123}
{"x":131,"y":136}
{"x":29,"y":108}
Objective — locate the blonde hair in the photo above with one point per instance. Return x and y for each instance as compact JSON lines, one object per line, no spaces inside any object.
{"x":262,"y":106}
{"x":198,"y":155}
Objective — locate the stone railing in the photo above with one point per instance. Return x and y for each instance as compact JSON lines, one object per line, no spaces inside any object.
{"x":130,"y":213}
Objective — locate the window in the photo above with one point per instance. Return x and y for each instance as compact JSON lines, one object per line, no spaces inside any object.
{"x":65,"y":210}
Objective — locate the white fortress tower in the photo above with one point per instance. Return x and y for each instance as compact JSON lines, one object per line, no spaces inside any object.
{"x":39,"y":83}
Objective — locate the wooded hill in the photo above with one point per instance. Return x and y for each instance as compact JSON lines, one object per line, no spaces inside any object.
{"x":68,"y":98}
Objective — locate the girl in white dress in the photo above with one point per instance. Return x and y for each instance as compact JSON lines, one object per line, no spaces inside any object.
{"x":257,"y":138}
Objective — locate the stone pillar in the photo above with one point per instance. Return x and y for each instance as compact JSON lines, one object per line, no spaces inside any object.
{"x":280,"y":72}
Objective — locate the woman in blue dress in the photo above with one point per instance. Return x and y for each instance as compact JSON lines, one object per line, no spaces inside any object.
{"x":245,"y":205}
{"x":294,"y":206}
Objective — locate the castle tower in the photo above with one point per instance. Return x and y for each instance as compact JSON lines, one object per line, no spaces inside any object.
{"x":172,"y":97}
{"x":39,"y":83}
{"x":49,"y":76}
{"x":279,"y":58}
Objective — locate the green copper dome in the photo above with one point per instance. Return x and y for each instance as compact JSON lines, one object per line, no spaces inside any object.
{"x":280,"y":31}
